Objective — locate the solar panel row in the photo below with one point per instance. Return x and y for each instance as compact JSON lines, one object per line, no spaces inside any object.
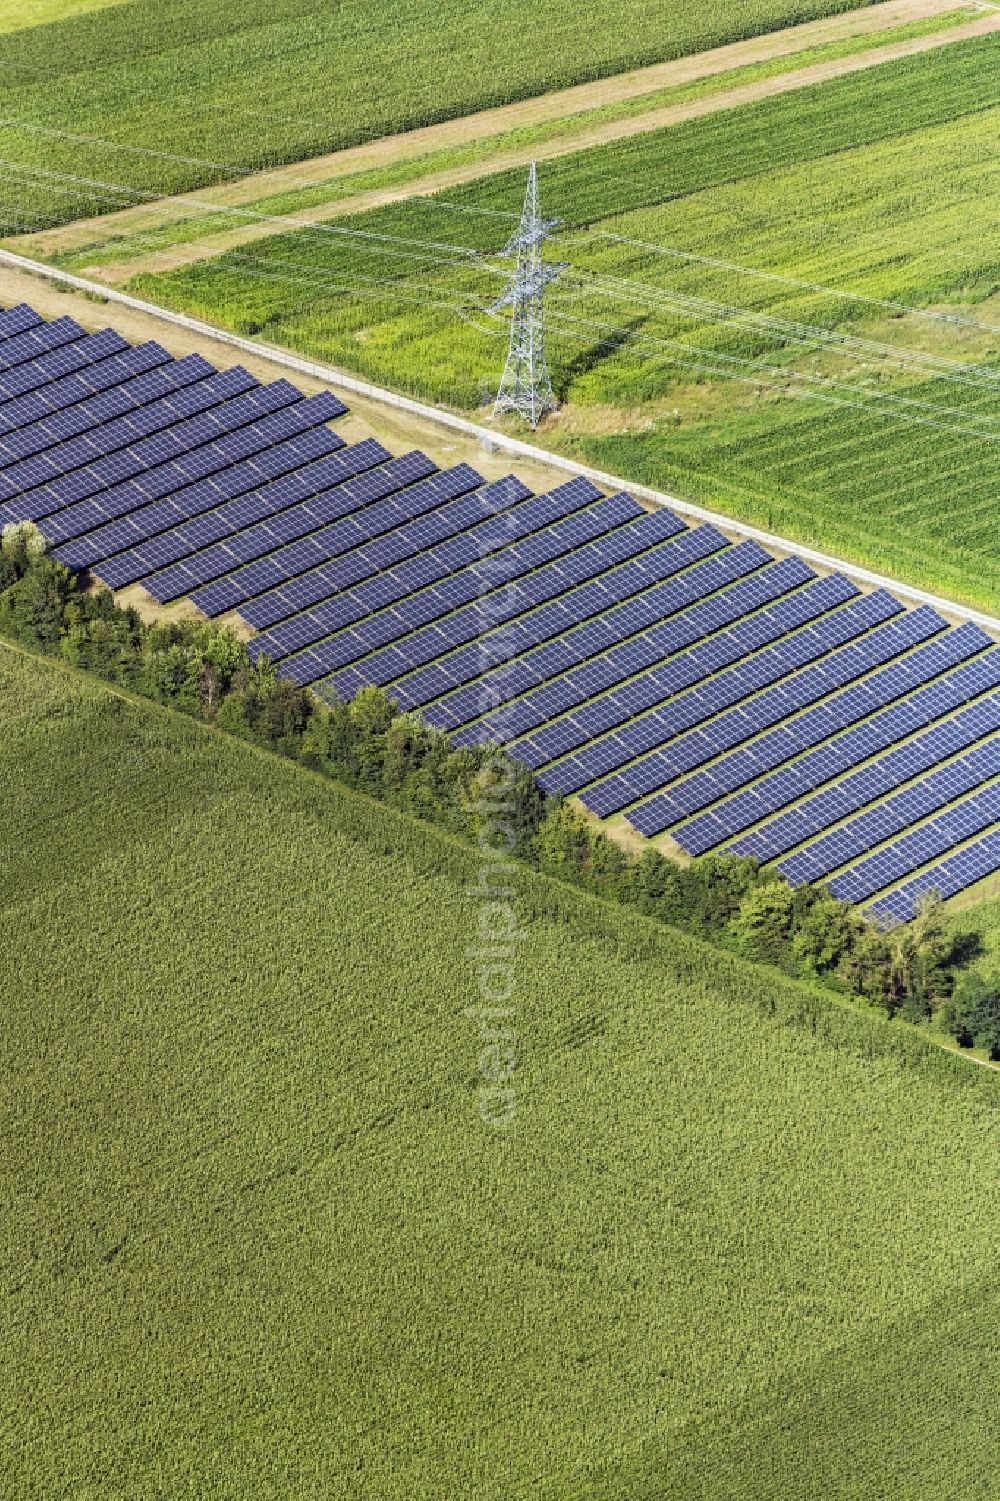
{"x":256,"y":453}
{"x":428,"y":521}
{"x":774,"y":704}
{"x":317,"y":542}
{"x":542,"y":611}
{"x":541,"y":649}
{"x":947,"y":877}
{"x":882,"y":770}
{"x":175,"y":424}
{"x":825,"y":721}
{"x":69,"y":360}
{"x":36,"y":340}
{"x":928,"y":842}
{"x":550,"y":654}
{"x":547,"y":564}
{"x":458,"y":516}
{"x":205,"y":477}
{"x":884,"y":820}
{"x":111,"y":441}
{"x":61,"y":401}
{"x":874,"y":778}
{"x":385,"y":512}
{"x":202,"y":514}
{"x":88,"y":430}
{"x":514,"y":519}
{"x":292,"y":566}
{"x":674,"y":678}
{"x":15,"y":320}
{"x":188,"y":557}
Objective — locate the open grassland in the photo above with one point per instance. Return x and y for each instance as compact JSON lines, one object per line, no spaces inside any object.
{"x":846,"y":205}
{"x":199,"y":92}
{"x":736,"y":1243}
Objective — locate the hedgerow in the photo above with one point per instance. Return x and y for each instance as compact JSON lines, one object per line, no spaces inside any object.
{"x":204,"y":670}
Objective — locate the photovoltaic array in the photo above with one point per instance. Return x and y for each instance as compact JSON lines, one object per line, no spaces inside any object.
{"x":700,"y":687}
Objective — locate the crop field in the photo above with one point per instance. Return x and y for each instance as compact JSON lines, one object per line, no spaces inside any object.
{"x":259,"y":1242}
{"x":551,"y":125}
{"x":197,"y":93}
{"x":783,"y":310}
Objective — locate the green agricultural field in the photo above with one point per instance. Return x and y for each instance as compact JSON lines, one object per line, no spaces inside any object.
{"x":199,"y":91}
{"x":170,"y":223}
{"x":835,"y":208}
{"x":736,"y":1244}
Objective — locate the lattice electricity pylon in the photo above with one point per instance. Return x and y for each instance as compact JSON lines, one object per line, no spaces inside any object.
{"x":526,"y":386}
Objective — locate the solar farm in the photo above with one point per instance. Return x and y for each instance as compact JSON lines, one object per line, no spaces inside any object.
{"x":699,"y":686}
{"x":500,"y":750}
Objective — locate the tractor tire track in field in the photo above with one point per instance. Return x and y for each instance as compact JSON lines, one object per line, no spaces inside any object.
{"x":566,"y":103}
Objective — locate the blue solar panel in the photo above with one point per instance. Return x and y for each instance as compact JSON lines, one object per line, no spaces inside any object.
{"x":414,"y":533}
{"x":123,"y":391}
{"x":57,"y":402}
{"x":55,"y":364}
{"x":848,"y":707}
{"x":963,"y":820}
{"x":279,"y":435}
{"x":893,"y":816}
{"x":480,"y":541}
{"x":854,"y":747}
{"x":299,"y":536}
{"x":119,"y":451}
{"x":186,"y":567}
{"x":16,"y":320}
{"x":36,"y":340}
{"x":533,"y":685}
{"x":437,"y":566}
{"x":808,"y":687}
{"x":701,"y":665}
{"x":385,"y":510}
{"x":466,"y":599}
{"x":947,"y":877}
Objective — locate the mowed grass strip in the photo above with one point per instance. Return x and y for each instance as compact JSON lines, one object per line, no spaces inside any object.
{"x":866,"y":191}
{"x":738,"y":1241}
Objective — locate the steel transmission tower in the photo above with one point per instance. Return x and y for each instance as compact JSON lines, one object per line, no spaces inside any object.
{"x":526,"y":386}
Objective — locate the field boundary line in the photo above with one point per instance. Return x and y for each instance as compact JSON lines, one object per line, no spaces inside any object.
{"x":492,"y":440}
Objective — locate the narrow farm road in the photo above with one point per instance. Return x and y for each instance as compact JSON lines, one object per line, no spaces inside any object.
{"x":572,"y":105}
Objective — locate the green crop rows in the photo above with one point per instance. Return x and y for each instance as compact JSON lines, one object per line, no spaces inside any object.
{"x":106,"y":239}
{"x":737,"y":1244}
{"x":875,"y":186}
{"x":207,"y":90}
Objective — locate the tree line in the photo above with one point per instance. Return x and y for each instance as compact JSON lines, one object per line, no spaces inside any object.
{"x":918,"y":972}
